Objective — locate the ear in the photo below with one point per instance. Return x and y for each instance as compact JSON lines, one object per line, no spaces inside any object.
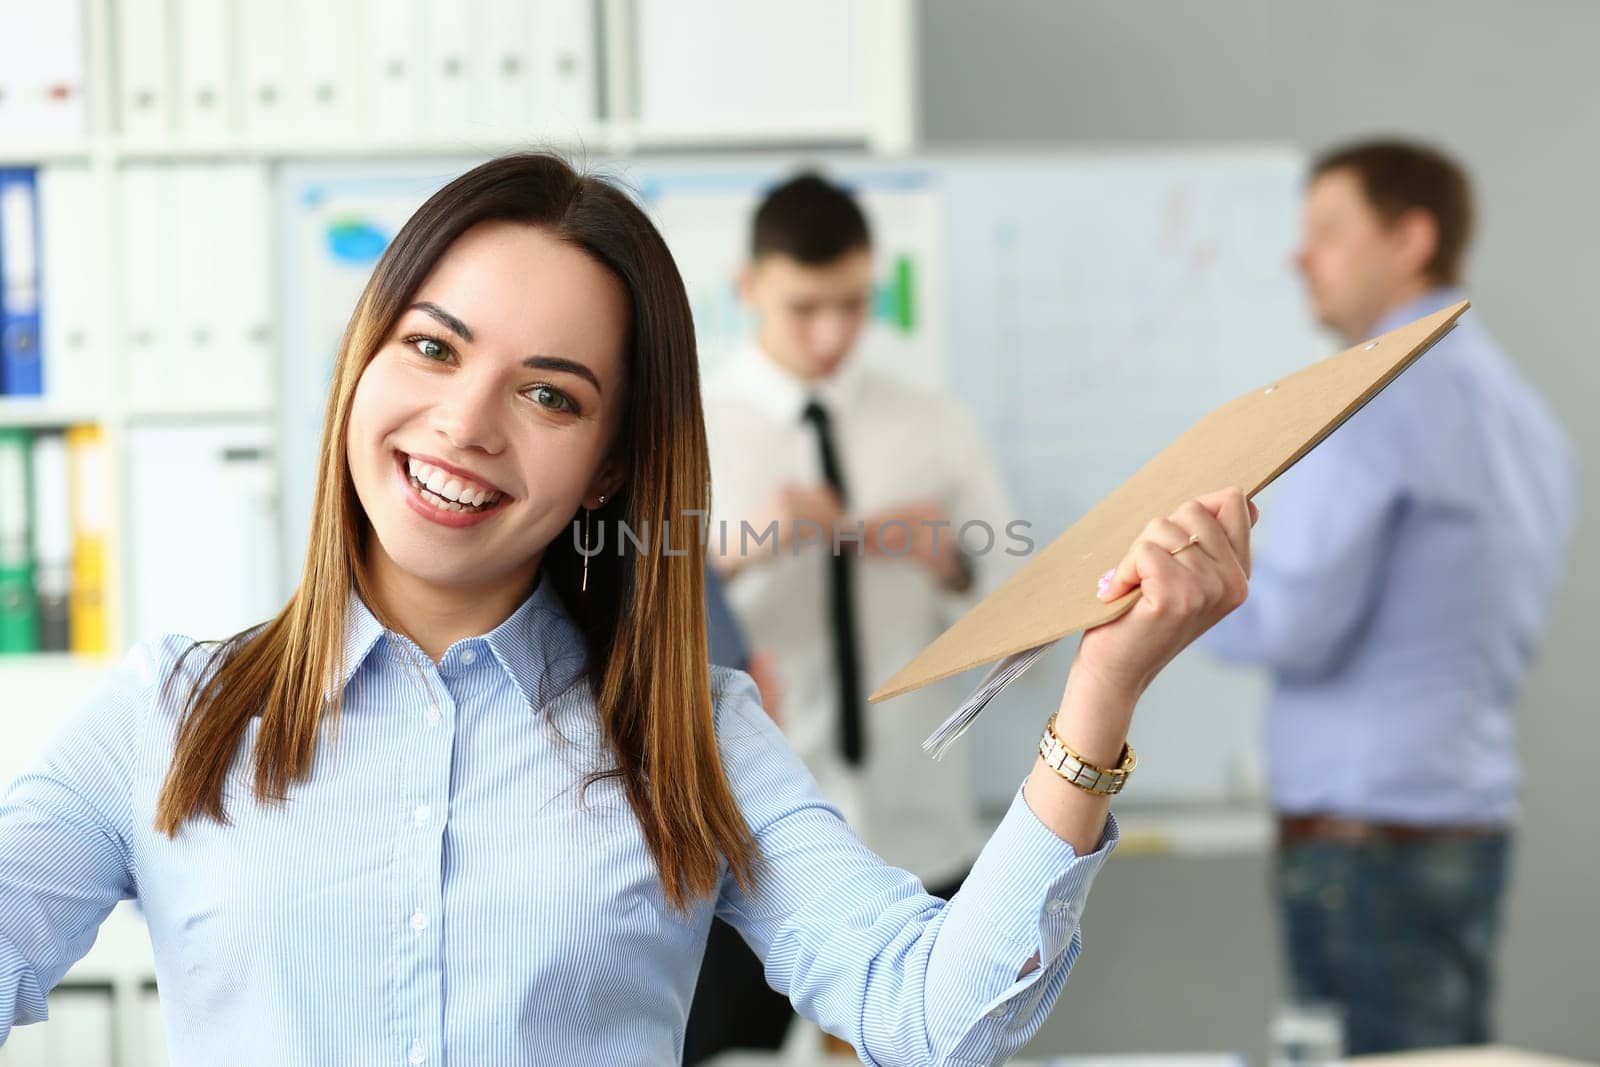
{"x":607,"y":480}
{"x":747,"y":284}
{"x":1417,"y":234}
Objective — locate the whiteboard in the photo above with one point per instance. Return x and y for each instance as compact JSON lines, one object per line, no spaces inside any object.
{"x":1100,"y":304}
{"x":1088,"y":307}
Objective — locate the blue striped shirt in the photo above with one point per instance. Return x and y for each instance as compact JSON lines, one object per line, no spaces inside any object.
{"x":1405,"y":575}
{"x":441,"y":891}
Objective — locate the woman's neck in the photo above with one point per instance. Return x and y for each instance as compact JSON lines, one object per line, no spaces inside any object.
{"x":436,"y":616}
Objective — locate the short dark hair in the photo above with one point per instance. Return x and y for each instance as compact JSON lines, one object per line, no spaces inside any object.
{"x":810,"y":219}
{"x":1401,"y":176}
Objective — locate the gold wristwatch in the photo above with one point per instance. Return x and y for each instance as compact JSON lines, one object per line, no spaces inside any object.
{"x":1079,"y":771}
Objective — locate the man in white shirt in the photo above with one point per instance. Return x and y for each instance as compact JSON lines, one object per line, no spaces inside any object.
{"x":812,"y":451}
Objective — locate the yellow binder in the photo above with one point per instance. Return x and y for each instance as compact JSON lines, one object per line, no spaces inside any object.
{"x":91,"y":502}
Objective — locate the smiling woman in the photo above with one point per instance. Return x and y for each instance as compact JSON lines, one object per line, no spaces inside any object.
{"x":475,"y":796}
{"x":522,"y":335}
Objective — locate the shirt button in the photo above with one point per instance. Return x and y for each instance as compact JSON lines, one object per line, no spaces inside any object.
{"x":419,"y":922}
{"x":468,"y":657}
{"x":1056,"y":907}
{"x":418,"y":1054}
{"x":998,"y":1013}
{"x":421,"y":814}
{"x":433,"y":716}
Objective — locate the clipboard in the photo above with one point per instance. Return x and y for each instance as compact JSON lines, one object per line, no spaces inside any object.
{"x":1246,"y":442}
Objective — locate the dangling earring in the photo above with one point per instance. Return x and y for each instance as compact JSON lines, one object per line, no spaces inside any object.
{"x":584,"y":587}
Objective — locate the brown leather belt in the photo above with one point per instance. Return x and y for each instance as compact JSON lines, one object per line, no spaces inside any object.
{"x":1293,"y":829}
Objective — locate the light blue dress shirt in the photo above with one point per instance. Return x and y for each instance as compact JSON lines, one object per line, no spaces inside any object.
{"x":1398,"y":597}
{"x":442,"y":891}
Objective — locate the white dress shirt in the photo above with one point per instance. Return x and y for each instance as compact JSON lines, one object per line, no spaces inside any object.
{"x":898,"y":444}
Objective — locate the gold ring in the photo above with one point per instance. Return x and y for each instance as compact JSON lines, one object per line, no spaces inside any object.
{"x":1194,"y":539}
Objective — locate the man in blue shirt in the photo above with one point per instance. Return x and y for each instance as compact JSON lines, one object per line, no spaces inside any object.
{"x":1397,"y":600}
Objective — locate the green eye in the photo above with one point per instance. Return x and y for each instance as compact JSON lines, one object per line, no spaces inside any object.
{"x":554,"y":399}
{"x":428,"y":348}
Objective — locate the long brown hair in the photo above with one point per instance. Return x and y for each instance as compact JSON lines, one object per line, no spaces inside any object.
{"x":643,"y":613}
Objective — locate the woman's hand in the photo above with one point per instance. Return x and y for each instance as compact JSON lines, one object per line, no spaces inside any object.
{"x":1192,"y":568}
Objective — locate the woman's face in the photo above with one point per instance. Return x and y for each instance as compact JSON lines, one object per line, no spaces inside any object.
{"x":487,"y":416}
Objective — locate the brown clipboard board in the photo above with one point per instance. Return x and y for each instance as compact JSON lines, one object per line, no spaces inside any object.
{"x":1246,"y":442}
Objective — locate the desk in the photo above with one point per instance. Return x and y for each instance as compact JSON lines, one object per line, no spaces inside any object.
{"x":793,"y":1059}
{"x":1492,"y":1056}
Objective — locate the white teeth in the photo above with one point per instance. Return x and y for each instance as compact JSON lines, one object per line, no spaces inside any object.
{"x":447,"y":487}
{"x":441,"y":503}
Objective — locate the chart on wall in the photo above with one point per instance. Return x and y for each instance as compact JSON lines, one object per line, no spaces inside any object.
{"x":704,"y":210}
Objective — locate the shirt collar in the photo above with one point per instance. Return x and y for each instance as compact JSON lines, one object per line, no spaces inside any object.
{"x":538,"y":645}
{"x":1426,"y":304}
{"x":783,"y":396}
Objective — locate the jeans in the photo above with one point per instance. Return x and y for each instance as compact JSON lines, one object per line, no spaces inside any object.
{"x":1400,"y":935}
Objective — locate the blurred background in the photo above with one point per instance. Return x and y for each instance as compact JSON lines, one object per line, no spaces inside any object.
{"x":1084,"y":216}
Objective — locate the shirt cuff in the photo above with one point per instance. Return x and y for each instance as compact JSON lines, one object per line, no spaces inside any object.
{"x":1031,"y":886}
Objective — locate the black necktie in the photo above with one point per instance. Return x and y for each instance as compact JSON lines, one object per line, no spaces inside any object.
{"x":842,"y":602}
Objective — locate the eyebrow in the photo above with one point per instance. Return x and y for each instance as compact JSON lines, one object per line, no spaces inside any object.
{"x":551,"y":363}
{"x":447,"y":320}
{"x":569,"y":366}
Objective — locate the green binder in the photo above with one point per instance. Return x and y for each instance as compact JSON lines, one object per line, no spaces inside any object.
{"x":19,"y":604}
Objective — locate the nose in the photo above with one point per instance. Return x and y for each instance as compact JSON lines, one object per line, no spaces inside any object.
{"x":833,"y":331}
{"x":466,"y":413}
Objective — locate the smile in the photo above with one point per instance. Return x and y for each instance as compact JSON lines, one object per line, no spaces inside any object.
{"x":445,"y":497}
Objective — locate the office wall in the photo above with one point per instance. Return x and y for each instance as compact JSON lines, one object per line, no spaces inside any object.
{"x":1507,"y":87}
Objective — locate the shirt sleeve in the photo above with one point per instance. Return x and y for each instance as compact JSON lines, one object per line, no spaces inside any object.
{"x":1321,"y":568}
{"x":65,"y":827}
{"x":862,"y":950}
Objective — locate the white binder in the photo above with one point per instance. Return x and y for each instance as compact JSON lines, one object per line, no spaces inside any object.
{"x":392,"y":61}
{"x":148,"y":266}
{"x":205,"y":94}
{"x":72,"y":225}
{"x":220,"y":354}
{"x":144,"y":68}
{"x":508,"y":68}
{"x":266,"y":38}
{"x":42,"y":70}
{"x":327,"y":75}
{"x":196,"y":354}
{"x":52,"y":538}
{"x":568,"y":87}
{"x":242,"y":286}
{"x":450,"y":78}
